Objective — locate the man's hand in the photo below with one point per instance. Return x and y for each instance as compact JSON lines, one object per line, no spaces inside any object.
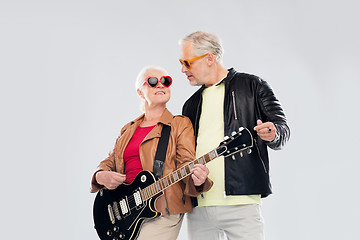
{"x":109,"y":179}
{"x":266,"y":131}
{"x":199,"y":174}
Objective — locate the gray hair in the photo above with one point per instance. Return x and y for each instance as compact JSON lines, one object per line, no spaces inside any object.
{"x":205,"y":42}
{"x":140,"y":79}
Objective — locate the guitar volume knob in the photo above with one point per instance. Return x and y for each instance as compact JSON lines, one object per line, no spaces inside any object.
{"x":109,"y":233}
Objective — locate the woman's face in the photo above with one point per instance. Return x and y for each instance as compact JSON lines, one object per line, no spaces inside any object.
{"x":158,"y":95}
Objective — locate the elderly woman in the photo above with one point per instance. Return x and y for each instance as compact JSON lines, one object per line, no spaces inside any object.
{"x":135,"y":149}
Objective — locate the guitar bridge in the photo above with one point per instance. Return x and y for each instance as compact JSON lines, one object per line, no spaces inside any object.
{"x":111,"y":214}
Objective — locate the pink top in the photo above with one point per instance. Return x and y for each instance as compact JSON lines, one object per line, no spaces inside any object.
{"x":131,"y":154}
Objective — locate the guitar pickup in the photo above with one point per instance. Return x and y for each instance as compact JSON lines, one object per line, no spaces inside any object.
{"x":138,"y":198}
{"x":124,"y":207}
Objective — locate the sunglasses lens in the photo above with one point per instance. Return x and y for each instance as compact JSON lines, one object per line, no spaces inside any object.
{"x":152,"y":81}
{"x":166,"y":81}
{"x":187,"y":64}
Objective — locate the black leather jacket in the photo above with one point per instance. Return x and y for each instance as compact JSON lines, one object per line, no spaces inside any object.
{"x":247,"y":98}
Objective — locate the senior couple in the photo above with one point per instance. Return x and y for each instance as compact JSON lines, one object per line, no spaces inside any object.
{"x":228,"y":204}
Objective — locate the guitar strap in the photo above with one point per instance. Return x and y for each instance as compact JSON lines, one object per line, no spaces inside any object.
{"x":161,"y":151}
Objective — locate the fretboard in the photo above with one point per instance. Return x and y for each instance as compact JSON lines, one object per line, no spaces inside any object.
{"x":176,"y":176}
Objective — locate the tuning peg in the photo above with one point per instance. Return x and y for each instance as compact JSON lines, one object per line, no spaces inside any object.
{"x":233,"y":133}
{"x":226,"y":137}
{"x":240,"y":129}
{"x":249,"y":150}
{"x":241,"y":154}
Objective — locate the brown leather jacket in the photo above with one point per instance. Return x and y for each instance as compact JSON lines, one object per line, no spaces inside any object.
{"x":181,"y":150}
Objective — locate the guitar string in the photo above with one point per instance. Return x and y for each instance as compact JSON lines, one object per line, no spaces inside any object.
{"x":203,"y":160}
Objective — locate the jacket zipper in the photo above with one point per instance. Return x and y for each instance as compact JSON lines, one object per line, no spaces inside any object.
{"x":233,"y":98}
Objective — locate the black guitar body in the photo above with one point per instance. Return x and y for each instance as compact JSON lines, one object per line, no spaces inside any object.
{"x":119,"y":213}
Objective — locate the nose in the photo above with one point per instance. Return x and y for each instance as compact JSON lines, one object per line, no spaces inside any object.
{"x":183,"y":68}
{"x":159,"y":85}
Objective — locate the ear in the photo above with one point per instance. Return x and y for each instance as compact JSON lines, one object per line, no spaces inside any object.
{"x":140,"y":93}
{"x":210,"y":59}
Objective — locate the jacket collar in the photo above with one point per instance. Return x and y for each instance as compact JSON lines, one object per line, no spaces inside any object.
{"x":229,"y":76}
{"x":166,"y":118}
{"x":227,"y":79}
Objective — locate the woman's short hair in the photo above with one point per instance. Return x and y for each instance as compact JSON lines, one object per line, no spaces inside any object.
{"x":205,"y":42}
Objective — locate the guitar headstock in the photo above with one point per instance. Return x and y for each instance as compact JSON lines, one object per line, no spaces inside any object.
{"x":238,"y":142}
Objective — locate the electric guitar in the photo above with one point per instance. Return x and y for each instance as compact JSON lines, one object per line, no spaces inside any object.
{"x":119,"y":214}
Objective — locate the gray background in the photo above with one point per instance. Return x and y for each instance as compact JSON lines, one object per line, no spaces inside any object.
{"x":68,"y":68}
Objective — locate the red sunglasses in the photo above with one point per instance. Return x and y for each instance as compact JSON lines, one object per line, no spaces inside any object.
{"x":152,"y":82}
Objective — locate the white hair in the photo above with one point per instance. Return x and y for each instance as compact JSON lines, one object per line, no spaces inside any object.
{"x":140,"y":79}
{"x":204,"y":42}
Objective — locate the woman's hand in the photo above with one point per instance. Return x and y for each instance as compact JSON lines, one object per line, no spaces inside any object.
{"x":109,"y":179}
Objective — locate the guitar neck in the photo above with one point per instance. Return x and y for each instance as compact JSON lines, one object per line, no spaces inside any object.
{"x":176,"y":176}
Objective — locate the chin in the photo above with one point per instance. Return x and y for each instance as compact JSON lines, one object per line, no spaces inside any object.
{"x":194,"y":83}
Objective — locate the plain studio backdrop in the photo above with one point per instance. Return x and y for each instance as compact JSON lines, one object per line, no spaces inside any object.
{"x":68,"y":70}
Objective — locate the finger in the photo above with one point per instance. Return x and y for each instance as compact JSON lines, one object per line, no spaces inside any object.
{"x":195,"y":178}
{"x":264,"y":130}
{"x":258,"y":124}
{"x":200,"y":167}
{"x":203,"y":167}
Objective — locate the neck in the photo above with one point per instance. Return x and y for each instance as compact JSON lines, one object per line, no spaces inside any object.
{"x":218,"y":74}
{"x":152,"y":115}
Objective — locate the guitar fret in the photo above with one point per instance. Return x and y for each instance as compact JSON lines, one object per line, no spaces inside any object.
{"x":152,"y":190}
{"x":147,"y":193}
{"x":212,"y":155}
{"x":183,"y":172}
{"x":186,"y":168}
{"x":166,"y":182}
{"x":171,"y":178}
{"x":202,"y":160}
{"x":162,"y":185}
{"x":191,"y":166}
{"x":142,"y":192}
{"x":176,"y":177}
{"x":207,"y":158}
{"x":157,"y":186}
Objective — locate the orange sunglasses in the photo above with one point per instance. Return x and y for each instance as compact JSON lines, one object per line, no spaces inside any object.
{"x":187,"y":63}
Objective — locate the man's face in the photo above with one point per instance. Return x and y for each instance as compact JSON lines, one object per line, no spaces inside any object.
{"x":196,"y":74}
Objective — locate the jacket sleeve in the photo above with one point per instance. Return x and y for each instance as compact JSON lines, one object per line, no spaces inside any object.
{"x":185,"y":153}
{"x":106,"y":165}
{"x":271,"y":111}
